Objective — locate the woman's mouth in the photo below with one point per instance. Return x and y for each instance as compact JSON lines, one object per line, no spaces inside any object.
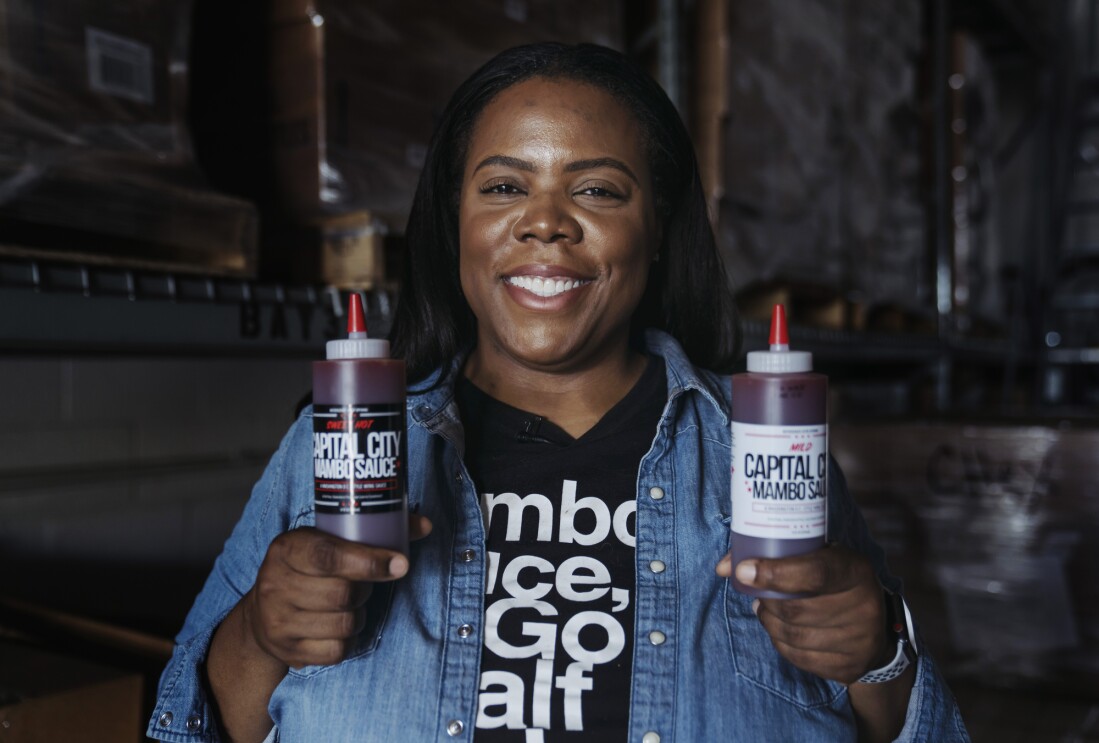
{"x":546,"y":286}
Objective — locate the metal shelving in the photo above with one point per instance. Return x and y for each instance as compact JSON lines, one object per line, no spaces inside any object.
{"x":61,"y":308}
{"x":881,"y":347}
{"x":1073,"y":356}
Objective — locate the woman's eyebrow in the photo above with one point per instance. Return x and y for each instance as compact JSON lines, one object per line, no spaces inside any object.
{"x":507,"y":162}
{"x":601,"y":162}
{"x":573,"y":167}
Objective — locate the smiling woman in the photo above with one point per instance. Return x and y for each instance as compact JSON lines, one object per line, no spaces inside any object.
{"x":557,"y":231}
{"x":564,"y":316}
{"x":623,"y":149}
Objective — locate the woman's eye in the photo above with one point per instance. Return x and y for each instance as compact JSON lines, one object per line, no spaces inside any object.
{"x":505,"y":189}
{"x":600,"y":192}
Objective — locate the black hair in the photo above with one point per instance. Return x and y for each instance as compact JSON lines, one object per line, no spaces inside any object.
{"x":687,"y":295}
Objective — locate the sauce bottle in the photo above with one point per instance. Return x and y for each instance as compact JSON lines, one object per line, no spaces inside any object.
{"x":359,"y":439}
{"x":780,"y":455}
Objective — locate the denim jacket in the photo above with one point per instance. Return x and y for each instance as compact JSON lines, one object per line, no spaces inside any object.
{"x":704,"y":668}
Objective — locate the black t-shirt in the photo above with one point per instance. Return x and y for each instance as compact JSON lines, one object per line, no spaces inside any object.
{"x":560,"y":518}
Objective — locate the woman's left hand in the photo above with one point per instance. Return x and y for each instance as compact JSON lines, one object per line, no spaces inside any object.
{"x":838,"y":631}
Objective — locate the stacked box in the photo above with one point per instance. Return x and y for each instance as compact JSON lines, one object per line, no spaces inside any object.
{"x":48,"y":696}
{"x":817,"y":144}
{"x":995,"y":530}
{"x":95,"y":157}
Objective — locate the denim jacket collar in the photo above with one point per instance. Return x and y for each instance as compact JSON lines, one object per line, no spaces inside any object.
{"x":430,"y":400}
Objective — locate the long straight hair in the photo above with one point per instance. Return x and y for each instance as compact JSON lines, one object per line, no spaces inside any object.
{"x":687,"y":295}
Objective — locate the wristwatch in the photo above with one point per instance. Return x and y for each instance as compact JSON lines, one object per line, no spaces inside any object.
{"x":898,"y":625}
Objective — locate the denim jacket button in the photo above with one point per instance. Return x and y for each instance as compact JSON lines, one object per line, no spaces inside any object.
{"x":194,"y":722}
{"x":650,"y":737}
{"x":657,"y":566}
{"x":465,"y":630}
{"x":656,"y":637}
{"x":165,"y":720}
{"x":469,"y":555}
{"x":454,"y":728}
{"x":656,"y":493}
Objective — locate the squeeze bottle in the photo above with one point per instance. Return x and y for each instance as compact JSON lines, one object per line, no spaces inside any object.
{"x":780,"y":455}
{"x":359,"y":439}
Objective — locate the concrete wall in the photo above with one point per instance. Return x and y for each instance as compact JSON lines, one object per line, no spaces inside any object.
{"x":121,"y":478}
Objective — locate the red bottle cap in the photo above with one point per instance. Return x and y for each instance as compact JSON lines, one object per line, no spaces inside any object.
{"x":356,"y":345}
{"x":356,"y":320}
{"x":779,"y":359}
{"x":778,"y":327}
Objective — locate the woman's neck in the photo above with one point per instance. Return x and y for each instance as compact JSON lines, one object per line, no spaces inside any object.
{"x":575,"y":400}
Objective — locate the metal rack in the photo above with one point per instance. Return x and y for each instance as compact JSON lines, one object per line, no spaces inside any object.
{"x":60,"y":308}
{"x":1021,"y":51}
{"x":880,"y":347}
{"x":1070,"y":285}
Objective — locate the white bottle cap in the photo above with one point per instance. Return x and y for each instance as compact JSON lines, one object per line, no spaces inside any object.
{"x":357,"y":345}
{"x":357,"y":348}
{"x":779,"y":359}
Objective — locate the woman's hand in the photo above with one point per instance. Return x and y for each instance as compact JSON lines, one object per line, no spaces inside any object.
{"x":307,"y":603}
{"x":309,"y":598}
{"x":838,"y":631}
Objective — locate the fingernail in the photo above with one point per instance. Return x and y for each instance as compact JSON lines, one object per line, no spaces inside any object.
{"x":755,"y":607}
{"x":746,"y":572}
{"x":398,"y":565}
{"x":725,"y":565}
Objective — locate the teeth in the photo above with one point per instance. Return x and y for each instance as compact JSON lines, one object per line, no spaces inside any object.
{"x":545,"y":287}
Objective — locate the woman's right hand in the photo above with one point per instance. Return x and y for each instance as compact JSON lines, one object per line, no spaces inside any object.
{"x":309,"y":598}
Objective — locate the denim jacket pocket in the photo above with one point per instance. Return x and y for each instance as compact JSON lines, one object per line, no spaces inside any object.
{"x":757,"y":661}
{"x":377,"y":610}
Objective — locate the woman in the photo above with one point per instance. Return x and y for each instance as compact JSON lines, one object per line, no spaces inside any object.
{"x":568,"y":460}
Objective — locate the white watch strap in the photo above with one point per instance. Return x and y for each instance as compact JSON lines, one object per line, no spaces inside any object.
{"x":888,"y":672}
{"x":900,"y":661}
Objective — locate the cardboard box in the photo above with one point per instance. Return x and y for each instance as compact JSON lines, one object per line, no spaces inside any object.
{"x":96,"y":163}
{"x":47,"y":697}
{"x":995,"y":530}
{"x":103,"y":76}
{"x":806,"y":120}
{"x":345,"y":250}
{"x":115,"y":216}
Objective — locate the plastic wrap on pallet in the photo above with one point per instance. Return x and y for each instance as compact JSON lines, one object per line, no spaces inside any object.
{"x":95,"y":157}
{"x":995,"y":529}
{"x":820,"y":166}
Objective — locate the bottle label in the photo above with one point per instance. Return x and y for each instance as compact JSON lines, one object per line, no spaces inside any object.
{"x":358,"y":458}
{"x":779,"y":479}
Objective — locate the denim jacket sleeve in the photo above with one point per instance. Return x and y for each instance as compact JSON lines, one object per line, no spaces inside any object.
{"x":183,"y":712}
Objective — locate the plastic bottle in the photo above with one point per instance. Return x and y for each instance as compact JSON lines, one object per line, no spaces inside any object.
{"x":359,"y":439}
{"x":780,"y":455}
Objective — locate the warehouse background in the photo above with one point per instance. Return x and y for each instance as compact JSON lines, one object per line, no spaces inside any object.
{"x":189,"y":189}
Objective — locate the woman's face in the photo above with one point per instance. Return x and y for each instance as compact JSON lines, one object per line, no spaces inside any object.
{"x":557,"y":226}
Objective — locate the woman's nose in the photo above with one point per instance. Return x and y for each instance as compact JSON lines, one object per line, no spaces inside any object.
{"x":547,"y":219}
